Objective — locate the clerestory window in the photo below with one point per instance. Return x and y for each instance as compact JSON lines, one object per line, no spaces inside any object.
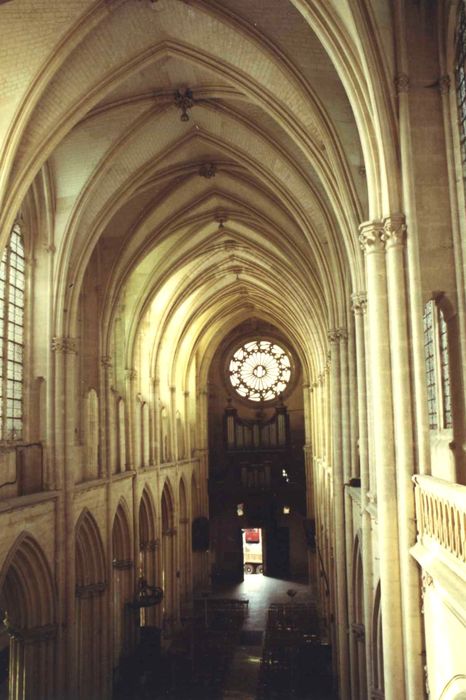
{"x":460,"y":75}
{"x":11,"y":337}
{"x":437,"y":367}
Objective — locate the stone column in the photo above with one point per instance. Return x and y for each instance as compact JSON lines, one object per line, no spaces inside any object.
{"x":157,"y":427}
{"x":65,"y":352}
{"x":372,"y":241}
{"x":347,"y":473}
{"x":130,"y":404}
{"x":359,"y":308}
{"x":32,"y":666}
{"x":335,"y":336}
{"x":187,"y":426}
{"x":395,"y":236}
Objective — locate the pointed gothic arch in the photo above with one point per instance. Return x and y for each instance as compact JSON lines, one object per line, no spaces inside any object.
{"x":185,"y":564}
{"x":28,"y":604}
{"x":358,"y":629}
{"x":169,"y":559}
{"x":91,"y":593}
{"x":148,"y":559}
{"x":123,"y":584}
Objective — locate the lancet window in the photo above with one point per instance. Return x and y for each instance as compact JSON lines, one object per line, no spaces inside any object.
{"x":460,"y":74}
{"x":437,"y":367}
{"x":12,"y":283}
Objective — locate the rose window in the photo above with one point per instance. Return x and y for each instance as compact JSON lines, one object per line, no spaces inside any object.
{"x":260,"y":370}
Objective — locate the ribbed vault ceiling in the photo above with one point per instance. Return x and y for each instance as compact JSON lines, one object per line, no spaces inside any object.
{"x":271,"y":233}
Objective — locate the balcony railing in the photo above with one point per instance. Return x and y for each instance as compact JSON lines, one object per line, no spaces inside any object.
{"x":441,"y":514}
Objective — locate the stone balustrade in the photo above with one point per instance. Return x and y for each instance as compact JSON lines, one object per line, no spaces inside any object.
{"x":441,"y":514}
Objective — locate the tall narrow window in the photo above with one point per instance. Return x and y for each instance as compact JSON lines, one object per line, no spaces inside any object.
{"x":11,"y":337}
{"x":460,"y":74}
{"x":430,"y":365}
{"x":437,"y":367}
{"x":444,"y":371}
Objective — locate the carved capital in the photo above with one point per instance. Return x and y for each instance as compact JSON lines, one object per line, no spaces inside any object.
{"x":169,"y":532}
{"x":359,"y":303}
{"x":377,"y":694}
{"x":208,"y":170}
{"x":65,"y":344}
{"x":149,"y":546}
{"x":131,"y":374}
{"x":426,"y":582}
{"x":337,"y":334}
{"x":402,"y":83}
{"x":358,"y":630}
{"x":106,"y":361}
{"x":371,"y":236}
{"x":444,"y":84}
{"x":30,"y":635}
{"x":122,"y":564}
{"x":394,"y":230}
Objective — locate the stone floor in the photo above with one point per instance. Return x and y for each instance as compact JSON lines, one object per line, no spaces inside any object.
{"x":244,"y":644}
{"x":261,"y":591}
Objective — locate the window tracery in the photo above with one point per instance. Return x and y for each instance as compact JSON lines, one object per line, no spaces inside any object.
{"x":460,"y":75}
{"x":437,"y":367}
{"x":260,"y":370}
{"x":12,"y":282}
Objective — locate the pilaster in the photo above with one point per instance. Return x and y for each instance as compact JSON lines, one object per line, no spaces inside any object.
{"x":335,"y":337}
{"x":372,"y":238}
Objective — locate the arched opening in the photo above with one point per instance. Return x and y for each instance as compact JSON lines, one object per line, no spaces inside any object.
{"x":169,"y":571}
{"x":27,"y":605}
{"x":359,"y":633}
{"x":256,"y":458}
{"x":93,"y":678}
{"x":145,"y":434}
{"x":123,"y":616}
{"x":148,"y":560}
{"x":180,"y":437}
{"x":198,"y":554}
{"x":165,"y":454}
{"x":121,"y":431}
{"x":91,"y":469}
{"x":185,"y":566}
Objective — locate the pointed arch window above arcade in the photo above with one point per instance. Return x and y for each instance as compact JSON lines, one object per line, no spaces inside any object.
{"x":460,"y":75}
{"x":12,"y":283}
